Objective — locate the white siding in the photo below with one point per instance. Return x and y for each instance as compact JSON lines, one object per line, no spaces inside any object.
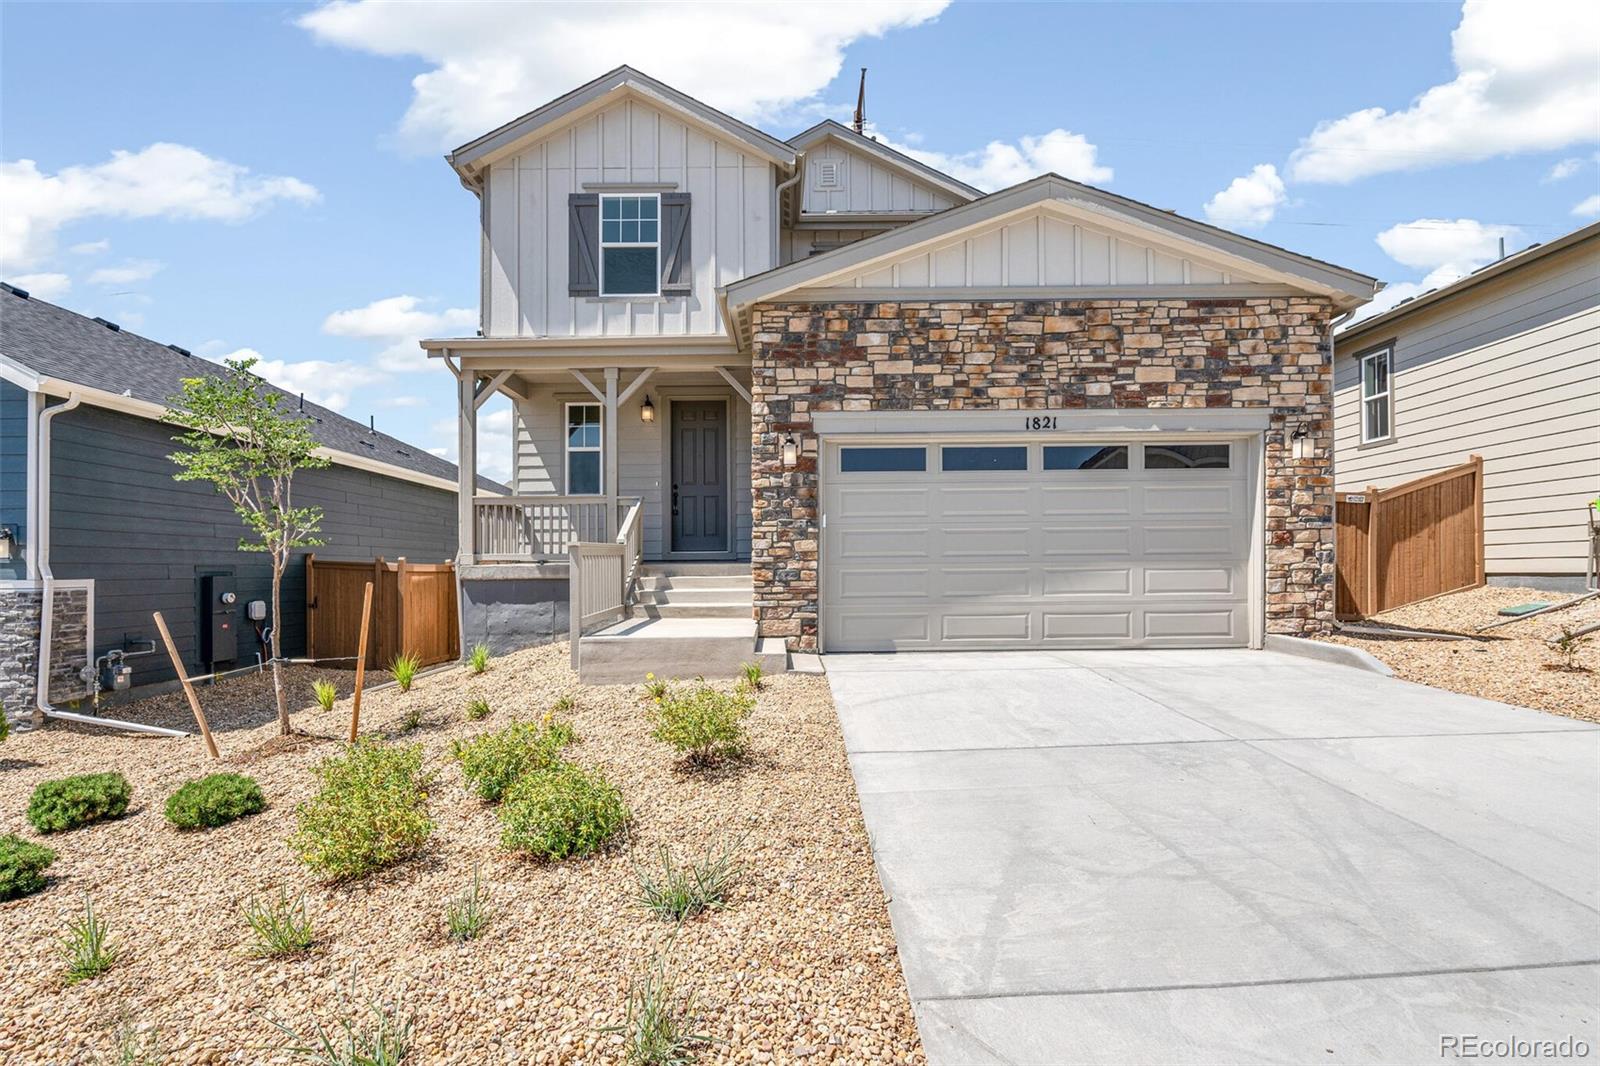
{"x":1509,"y":371}
{"x":1039,"y":249}
{"x":732,"y":223}
{"x":867,"y":184}
{"x":801,"y":244}
{"x":540,"y":465}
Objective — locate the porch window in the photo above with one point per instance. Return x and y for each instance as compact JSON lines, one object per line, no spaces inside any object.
{"x":583,"y":449}
{"x":1375,"y":396}
{"x":630,"y":245}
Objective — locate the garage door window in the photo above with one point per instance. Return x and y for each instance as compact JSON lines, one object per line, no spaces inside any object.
{"x":960,"y":459}
{"x":1086,"y":457}
{"x":1185,"y":456}
{"x":882,"y":460}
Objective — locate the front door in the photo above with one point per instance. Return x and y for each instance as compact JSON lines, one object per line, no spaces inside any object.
{"x":699,"y":476}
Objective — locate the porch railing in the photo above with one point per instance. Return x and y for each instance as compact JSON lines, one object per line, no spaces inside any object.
{"x":525,"y":528}
{"x":601,"y":575}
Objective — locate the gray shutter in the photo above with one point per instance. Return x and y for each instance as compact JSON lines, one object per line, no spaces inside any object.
{"x":583,"y":244}
{"x":677,"y":266}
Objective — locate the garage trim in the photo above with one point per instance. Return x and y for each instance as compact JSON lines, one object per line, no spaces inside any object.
{"x":893,"y":428}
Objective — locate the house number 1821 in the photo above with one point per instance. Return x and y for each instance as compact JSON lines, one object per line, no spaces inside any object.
{"x":1040,"y":422}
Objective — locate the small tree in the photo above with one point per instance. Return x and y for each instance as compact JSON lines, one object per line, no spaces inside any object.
{"x":241,"y":441}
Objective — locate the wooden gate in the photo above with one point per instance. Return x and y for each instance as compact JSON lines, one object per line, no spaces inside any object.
{"x":413,"y":610}
{"x":1411,"y":542}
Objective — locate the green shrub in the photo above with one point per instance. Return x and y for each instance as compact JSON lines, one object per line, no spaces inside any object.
{"x":371,"y":812}
{"x":411,"y":721}
{"x":676,"y":891}
{"x":22,"y":864}
{"x":657,"y":1028}
{"x":478,"y":658}
{"x":478,"y":710}
{"x":326,"y":694}
{"x":87,"y":946}
{"x":492,"y":762}
{"x":69,"y":802}
{"x":654,"y":687}
{"x":752,"y":674}
{"x":468,"y":914}
{"x":281,"y":926}
{"x":404,"y":668}
{"x":563,"y":705}
{"x":136,"y":1045}
{"x":702,"y":723}
{"x":214,"y":800}
{"x":385,"y":1041}
{"x":561,"y":812}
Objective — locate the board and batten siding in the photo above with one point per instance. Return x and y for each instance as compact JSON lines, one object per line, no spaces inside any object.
{"x":733,"y":228}
{"x":1037,"y":249}
{"x":14,"y":474}
{"x":116,"y":516}
{"x":865,"y":184}
{"x":539,"y":456}
{"x":1509,"y":370}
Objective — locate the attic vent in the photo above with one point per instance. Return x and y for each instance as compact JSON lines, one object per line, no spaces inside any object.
{"x":112,"y":326}
{"x":181,"y":351}
{"x":830,"y":174}
{"x":13,"y":290}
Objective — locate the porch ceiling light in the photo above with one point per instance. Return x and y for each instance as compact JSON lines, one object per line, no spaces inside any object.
{"x":647,"y":411}
{"x":791,"y":450}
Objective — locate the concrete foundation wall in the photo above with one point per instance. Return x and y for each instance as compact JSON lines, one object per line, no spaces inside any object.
{"x":509,"y":612}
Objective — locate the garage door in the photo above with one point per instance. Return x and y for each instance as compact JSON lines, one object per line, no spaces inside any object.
{"x":971,"y":544}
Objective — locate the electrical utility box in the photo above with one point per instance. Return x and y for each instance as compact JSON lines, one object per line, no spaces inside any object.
{"x":219,"y":629}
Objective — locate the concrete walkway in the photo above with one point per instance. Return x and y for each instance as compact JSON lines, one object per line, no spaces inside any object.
{"x":1223,"y":857}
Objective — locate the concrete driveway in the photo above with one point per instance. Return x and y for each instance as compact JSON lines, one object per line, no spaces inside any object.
{"x":1223,"y":857}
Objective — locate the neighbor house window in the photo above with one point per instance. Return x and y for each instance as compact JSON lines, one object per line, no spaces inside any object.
{"x":1376,"y":410}
{"x":1086,"y":457}
{"x":1185,"y":456}
{"x":630,"y":245}
{"x":583,"y":449}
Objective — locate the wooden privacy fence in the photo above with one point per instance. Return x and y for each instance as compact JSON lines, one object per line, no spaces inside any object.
{"x":1411,"y":542}
{"x":413,"y":610}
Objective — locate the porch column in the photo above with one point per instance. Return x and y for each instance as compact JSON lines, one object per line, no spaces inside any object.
{"x":610,"y":431}
{"x":466,"y":466}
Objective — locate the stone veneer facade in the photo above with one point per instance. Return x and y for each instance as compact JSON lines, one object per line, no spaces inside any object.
{"x":1249,"y":352}
{"x":21,"y":617}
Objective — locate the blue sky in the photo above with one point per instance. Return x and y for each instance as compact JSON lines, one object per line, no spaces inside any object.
{"x":280,"y":186}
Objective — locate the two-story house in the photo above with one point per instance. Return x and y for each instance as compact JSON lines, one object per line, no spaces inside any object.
{"x":811,"y":394}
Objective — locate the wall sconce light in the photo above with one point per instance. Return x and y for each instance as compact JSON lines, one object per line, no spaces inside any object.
{"x":791,"y":450}
{"x":1300,"y":445}
{"x":8,"y":540}
{"x":647,"y":411}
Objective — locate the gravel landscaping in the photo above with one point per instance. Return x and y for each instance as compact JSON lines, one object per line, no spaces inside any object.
{"x":800,"y":966}
{"x":1512,"y":664}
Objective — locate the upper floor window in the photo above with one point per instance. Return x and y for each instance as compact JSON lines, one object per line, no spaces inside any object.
{"x":1376,"y":409}
{"x":630,"y":245}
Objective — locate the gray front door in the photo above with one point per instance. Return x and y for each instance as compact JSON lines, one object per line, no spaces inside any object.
{"x":699,"y":476}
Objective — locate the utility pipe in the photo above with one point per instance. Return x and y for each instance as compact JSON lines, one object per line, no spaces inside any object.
{"x":47,"y":579}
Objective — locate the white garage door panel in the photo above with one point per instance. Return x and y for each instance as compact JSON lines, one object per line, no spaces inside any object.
{"x":932,"y":559}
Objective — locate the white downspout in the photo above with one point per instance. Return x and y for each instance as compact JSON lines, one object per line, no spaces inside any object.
{"x":47,"y":580}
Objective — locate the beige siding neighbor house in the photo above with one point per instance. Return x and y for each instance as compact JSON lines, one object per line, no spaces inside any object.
{"x":1504,"y":363}
{"x":780,"y":396}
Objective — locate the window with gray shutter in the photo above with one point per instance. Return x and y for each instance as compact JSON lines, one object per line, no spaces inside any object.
{"x":583,"y":240}
{"x":677,"y":267}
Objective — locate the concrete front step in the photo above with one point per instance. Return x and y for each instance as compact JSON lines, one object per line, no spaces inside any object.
{"x":674,"y":647}
{"x":651,"y":581}
{"x":696,"y":595}
{"x":697,"y":569}
{"x":713,"y":609}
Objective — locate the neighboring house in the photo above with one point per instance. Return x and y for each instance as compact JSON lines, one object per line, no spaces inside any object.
{"x":105,"y":521}
{"x":1504,"y":363}
{"x":908,"y":414}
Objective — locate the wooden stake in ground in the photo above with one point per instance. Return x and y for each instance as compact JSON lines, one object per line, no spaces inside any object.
{"x":188,"y":689}
{"x":361,"y":663}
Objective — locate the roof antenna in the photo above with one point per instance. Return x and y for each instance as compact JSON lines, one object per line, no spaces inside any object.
{"x":861,"y":103}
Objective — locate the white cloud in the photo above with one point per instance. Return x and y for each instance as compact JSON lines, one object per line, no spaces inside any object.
{"x":169,"y":181}
{"x":100,"y":247}
{"x":1250,"y":201}
{"x":44,"y":286}
{"x":1446,"y":249}
{"x":1588,"y":208}
{"x":132,"y":270}
{"x":400,"y":322}
{"x":999,"y":165}
{"x":327,"y":383}
{"x":1562,"y":170}
{"x":494,"y":439}
{"x":1525,"y":81}
{"x":402,"y":401}
{"x":492,"y":62}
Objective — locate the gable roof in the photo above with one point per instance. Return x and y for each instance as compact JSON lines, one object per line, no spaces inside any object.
{"x":1256,"y":259}
{"x":857,"y":142}
{"x":1515,"y":261}
{"x":470,"y":159}
{"x":59,"y":345}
